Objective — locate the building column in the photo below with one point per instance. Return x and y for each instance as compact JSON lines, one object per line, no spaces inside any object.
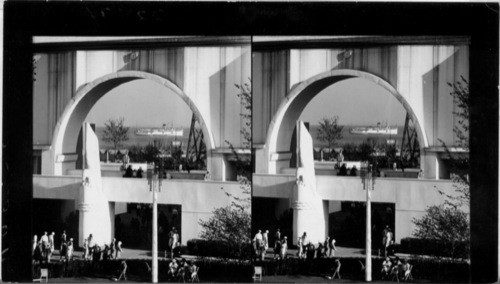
{"x":326,"y":214}
{"x":430,"y":163}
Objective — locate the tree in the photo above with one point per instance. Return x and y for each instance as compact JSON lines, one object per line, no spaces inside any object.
{"x":329,"y":131}
{"x":366,"y":149}
{"x":115,"y":133}
{"x":232,"y":224}
{"x":444,"y":223}
{"x":459,"y":164}
{"x":448,"y":222}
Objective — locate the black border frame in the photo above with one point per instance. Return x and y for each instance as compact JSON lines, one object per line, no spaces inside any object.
{"x":477,"y":21}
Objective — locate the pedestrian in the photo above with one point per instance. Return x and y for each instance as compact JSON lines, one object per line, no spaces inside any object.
{"x":277,"y":248}
{"x":63,"y":251}
{"x":63,"y":240}
{"x":139,"y":172}
{"x":299,"y":247}
{"x":85,"y":249}
{"x":112,"y":249}
{"x":69,"y":251}
{"x":175,"y":242}
{"x":265,"y":238}
{"x":311,"y":250}
{"x":264,"y":244}
{"x":336,"y":269}
{"x":123,"y":273}
{"x":172,"y":269}
{"x":259,"y":242}
{"x":38,"y":253}
{"x":305,"y":242}
{"x":326,"y":246}
{"x":319,"y":250}
{"x":384,"y":239}
{"x":277,"y":242}
{"x":388,"y":240}
{"x":284,"y":248}
{"x":91,"y":247}
{"x":332,"y":248}
{"x":119,"y":250}
{"x":386,"y":267}
{"x":34,"y":244}
{"x":106,"y":254}
{"x":52,"y":246}
{"x":254,"y":250}
{"x":44,"y":241}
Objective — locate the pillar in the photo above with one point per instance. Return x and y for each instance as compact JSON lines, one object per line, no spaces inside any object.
{"x":430,"y":163}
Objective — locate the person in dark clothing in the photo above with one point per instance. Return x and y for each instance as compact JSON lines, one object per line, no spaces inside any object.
{"x":129,"y":172}
{"x":139,"y":172}
{"x":342,"y":170}
{"x":354,"y":171}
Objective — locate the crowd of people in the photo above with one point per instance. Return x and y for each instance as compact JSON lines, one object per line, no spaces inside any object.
{"x":182,"y":271}
{"x":92,"y":251}
{"x":305,"y":248}
{"x":396,"y":269}
{"x":43,"y":249}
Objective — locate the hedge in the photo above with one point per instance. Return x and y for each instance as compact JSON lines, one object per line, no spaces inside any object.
{"x":429,"y":269}
{"x":434,"y":248}
{"x":218,"y":249}
{"x":209,"y":269}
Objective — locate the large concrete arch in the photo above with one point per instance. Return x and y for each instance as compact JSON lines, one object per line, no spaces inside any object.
{"x":67,"y":129}
{"x":281,"y":127}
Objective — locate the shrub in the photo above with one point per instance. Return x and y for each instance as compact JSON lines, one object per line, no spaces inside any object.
{"x":137,"y":269}
{"x":435,"y":248}
{"x":429,"y":269}
{"x":218,"y":249}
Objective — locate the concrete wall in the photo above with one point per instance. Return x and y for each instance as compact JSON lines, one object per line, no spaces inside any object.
{"x":197,"y":198}
{"x":410,"y":196}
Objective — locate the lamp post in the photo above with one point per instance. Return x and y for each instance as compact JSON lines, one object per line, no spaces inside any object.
{"x":154,"y":184}
{"x":368,"y":180}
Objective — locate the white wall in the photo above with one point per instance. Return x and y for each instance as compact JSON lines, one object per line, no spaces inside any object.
{"x":197,"y":198}
{"x":410,"y":196}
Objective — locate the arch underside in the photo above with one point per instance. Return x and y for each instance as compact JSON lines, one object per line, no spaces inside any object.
{"x":282,"y":126}
{"x":69,"y":125}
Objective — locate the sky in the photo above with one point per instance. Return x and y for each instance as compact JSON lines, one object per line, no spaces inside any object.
{"x":145,"y":103}
{"x":357,"y":102}
{"x":142,"y":103}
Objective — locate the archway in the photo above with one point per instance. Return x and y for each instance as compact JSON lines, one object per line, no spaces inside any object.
{"x":283,"y":123}
{"x":67,"y":129}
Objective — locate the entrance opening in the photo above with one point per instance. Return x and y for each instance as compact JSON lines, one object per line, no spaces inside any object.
{"x":55,"y":215}
{"x":347,"y":224}
{"x":133,"y":224}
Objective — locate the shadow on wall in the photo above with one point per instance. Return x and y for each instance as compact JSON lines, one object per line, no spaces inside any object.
{"x":431,"y":97}
{"x":220,"y":94}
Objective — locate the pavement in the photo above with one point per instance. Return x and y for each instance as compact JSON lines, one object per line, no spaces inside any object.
{"x":340,"y":252}
{"x":126,"y":254}
{"x":129,"y":253}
